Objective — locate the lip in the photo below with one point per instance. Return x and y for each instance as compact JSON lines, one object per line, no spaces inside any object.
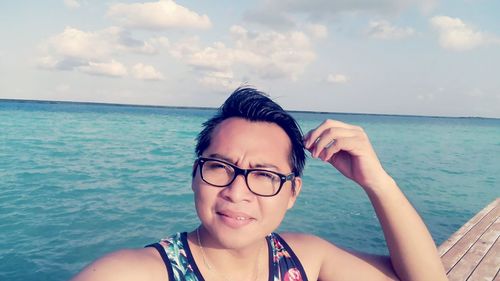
{"x":234,"y":219}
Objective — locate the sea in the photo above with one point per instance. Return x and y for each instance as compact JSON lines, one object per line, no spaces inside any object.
{"x":80,"y":180}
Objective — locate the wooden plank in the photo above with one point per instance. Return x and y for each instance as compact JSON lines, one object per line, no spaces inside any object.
{"x":446,"y":245}
{"x":468,"y":263}
{"x":489,"y":266}
{"x":466,"y":242}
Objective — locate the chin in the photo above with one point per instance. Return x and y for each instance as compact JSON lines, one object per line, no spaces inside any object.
{"x":230,"y":238}
{"x":238,"y":241}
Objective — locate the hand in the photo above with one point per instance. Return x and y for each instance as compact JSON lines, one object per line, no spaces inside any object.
{"x":348,"y":149}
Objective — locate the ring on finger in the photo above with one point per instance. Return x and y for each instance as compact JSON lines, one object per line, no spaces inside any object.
{"x":332,"y":142}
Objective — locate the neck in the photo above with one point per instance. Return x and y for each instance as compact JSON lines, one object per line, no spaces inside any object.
{"x":245,"y":263}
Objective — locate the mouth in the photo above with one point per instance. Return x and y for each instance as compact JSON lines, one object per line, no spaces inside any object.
{"x":234,"y":219}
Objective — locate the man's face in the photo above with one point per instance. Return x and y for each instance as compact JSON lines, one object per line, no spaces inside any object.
{"x":233,"y":215}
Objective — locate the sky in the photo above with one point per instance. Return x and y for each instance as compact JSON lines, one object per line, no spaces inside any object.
{"x":410,"y":57}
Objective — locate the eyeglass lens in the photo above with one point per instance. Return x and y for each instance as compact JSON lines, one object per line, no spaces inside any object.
{"x":221,"y":174}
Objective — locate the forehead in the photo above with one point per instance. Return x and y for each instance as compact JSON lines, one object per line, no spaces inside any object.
{"x":251,"y":142}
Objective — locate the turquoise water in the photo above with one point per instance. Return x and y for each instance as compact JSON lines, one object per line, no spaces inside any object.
{"x":78,"y":181}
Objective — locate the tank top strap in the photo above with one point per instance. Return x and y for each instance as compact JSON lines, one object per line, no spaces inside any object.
{"x":285,"y":265}
{"x":176,"y":255}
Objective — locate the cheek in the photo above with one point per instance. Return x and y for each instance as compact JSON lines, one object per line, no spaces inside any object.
{"x":274,"y":210}
{"x":200,"y":191}
{"x":197,"y":195}
{"x":204,"y":197}
{"x":196,"y":182}
{"x":202,"y":205}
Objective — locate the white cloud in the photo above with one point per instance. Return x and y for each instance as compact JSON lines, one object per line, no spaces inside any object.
{"x":95,"y":52}
{"x":220,"y":81}
{"x":72,"y":4}
{"x":317,"y":31}
{"x":427,"y":6}
{"x":277,"y":20}
{"x":157,"y":15}
{"x":112,"y":68}
{"x":159,"y":41}
{"x":78,"y":44}
{"x":146,"y":72}
{"x":267,"y":55}
{"x":456,"y":35}
{"x":75,"y":43}
{"x":184,"y":47}
{"x":280,"y":13}
{"x":47,"y":62}
{"x":216,"y":57}
{"x":337,"y":78}
{"x":385,"y":30}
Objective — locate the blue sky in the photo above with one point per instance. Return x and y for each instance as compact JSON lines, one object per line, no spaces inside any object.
{"x":426,"y":57}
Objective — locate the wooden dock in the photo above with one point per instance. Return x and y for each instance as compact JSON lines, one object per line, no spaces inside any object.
{"x":473,"y":252}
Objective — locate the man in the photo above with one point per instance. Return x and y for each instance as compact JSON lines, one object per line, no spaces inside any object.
{"x":246,"y":177}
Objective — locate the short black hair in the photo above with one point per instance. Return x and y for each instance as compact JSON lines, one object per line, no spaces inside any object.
{"x":253,"y":105}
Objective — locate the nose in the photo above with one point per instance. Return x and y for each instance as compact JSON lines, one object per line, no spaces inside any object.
{"x":237,"y":191}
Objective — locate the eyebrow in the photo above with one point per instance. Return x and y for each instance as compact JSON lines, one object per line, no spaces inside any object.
{"x":260,"y":165}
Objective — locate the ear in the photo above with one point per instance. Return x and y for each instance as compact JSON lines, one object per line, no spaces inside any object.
{"x":294,"y":195}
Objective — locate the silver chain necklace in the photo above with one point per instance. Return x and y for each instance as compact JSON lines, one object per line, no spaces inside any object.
{"x":209,"y":267}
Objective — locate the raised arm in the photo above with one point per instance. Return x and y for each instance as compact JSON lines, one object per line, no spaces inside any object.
{"x":412,"y":251}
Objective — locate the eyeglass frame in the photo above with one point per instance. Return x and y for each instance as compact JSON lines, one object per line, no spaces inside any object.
{"x":240,"y":171}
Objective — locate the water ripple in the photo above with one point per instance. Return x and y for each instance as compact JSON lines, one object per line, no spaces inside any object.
{"x":79,"y":182}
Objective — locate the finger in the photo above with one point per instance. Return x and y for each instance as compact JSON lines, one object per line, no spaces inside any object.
{"x":354,"y":145}
{"x":347,"y":145}
{"x":313,"y":135}
{"x":329,"y":151}
{"x":327,"y":138}
{"x":335,"y":123}
{"x":306,"y":137}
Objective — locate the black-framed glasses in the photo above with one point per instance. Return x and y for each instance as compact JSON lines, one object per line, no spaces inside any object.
{"x":259,"y":181}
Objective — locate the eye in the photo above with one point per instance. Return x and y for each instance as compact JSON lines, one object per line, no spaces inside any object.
{"x":215,"y":165}
{"x":266,"y":175}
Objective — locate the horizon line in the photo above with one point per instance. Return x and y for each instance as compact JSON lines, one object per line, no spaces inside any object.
{"x":215,"y":108}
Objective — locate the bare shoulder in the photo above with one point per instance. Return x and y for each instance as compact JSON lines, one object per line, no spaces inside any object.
{"x":323,"y":260}
{"x":310,"y":250}
{"x":311,"y":247}
{"x":126,"y":265}
{"x":308,"y":244}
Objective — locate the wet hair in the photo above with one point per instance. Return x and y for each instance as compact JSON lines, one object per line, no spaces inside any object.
{"x":255,"y":106}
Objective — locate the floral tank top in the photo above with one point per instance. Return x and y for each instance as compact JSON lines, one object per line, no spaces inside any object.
{"x":174,"y":250}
